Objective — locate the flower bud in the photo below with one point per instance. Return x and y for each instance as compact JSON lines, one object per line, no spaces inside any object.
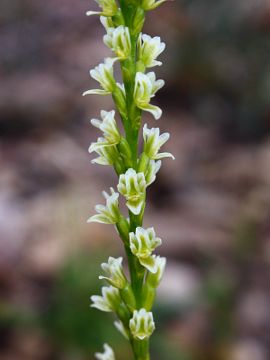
{"x":142,"y":324}
{"x":110,"y":213}
{"x":109,"y":8}
{"x":154,"y":279}
{"x":132,"y":186}
{"x":108,"y":126}
{"x":149,"y":49}
{"x":108,"y":353}
{"x":109,"y":301}
{"x":151,"y":4}
{"x":103,"y":73}
{"x":153,"y":142}
{"x":146,"y":86}
{"x":114,"y":271}
{"x":118,"y":40}
{"x":142,"y":244}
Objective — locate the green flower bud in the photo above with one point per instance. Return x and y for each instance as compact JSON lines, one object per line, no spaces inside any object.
{"x":142,"y":244}
{"x":142,"y":324}
{"x":118,"y":40}
{"x":132,"y":186}
{"x":108,"y":353}
{"x":109,"y":301}
{"x":146,"y":86}
{"x":110,"y":213}
{"x":114,"y":271}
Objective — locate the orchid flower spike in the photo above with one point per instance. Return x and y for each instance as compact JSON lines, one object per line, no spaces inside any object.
{"x":110,"y":213}
{"x":108,"y":354}
{"x":146,"y":86}
{"x":142,"y":324}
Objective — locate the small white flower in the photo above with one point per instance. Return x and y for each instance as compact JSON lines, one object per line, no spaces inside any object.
{"x":132,"y":186}
{"x":114,"y":271}
{"x":151,"y":4}
{"x":103,"y":73}
{"x":151,"y":171}
{"x":110,"y":213}
{"x":142,"y":244}
{"x":155,"y":278}
{"x":149,"y":49}
{"x":118,"y":40}
{"x":153,"y":142}
{"x":109,"y":301}
{"x":108,"y":353}
{"x":108,"y":126}
{"x":142,"y":324}
{"x":108,"y":153}
{"x":109,"y":8}
{"x":120,"y":327}
{"x":146,"y":86}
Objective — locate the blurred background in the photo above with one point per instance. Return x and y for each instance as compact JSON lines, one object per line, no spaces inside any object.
{"x":211,"y":206}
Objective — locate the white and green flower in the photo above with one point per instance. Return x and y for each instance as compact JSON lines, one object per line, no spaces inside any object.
{"x":142,"y":324}
{"x":108,"y":353}
{"x":118,"y":40}
{"x":103,"y":73}
{"x":108,"y":153}
{"x":109,"y":8}
{"x":132,"y":186}
{"x":109,"y":213}
{"x":149,"y":48}
{"x":151,"y":171}
{"x":153,"y":142}
{"x":151,"y":4}
{"x":142,"y":243}
{"x":146,"y":86}
{"x":109,"y":301}
{"x":154,"y":279}
{"x":114,"y":272}
{"x":108,"y":126}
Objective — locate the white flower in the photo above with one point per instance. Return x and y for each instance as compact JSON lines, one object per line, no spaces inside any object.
{"x":153,"y":142}
{"x":120,"y":327}
{"x":142,"y":244}
{"x":108,"y":126}
{"x":109,"y":8}
{"x":151,"y":4}
{"x":108,"y":153}
{"x":142,"y":324}
{"x":108,"y":353}
{"x":110,"y":213}
{"x":103,"y":73}
{"x":151,"y":171}
{"x":146,"y":86}
{"x":149,"y":49}
{"x":114,"y":271}
{"x":132,"y":186}
{"x":109,"y":301}
{"x":154,"y":279}
{"x":118,"y":40}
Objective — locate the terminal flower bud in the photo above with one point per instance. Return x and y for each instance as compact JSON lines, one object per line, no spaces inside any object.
{"x":149,"y":48}
{"x":109,"y":301}
{"x":108,"y":354}
{"x":153,"y":142}
{"x":109,"y":8}
{"x":142,"y":324}
{"x":118,"y":40}
{"x":113,"y":270}
{"x":154,"y":279}
{"x":151,"y":4}
{"x":109,"y":213}
{"x":103,"y":73}
{"x":142,"y":244}
{"x":108,"y":126}
{"x":132,"y":186}
{"x":146,"y":86}
{"x":108,"y":153}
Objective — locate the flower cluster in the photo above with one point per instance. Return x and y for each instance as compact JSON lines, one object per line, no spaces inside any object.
{"x":129,"y":297}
